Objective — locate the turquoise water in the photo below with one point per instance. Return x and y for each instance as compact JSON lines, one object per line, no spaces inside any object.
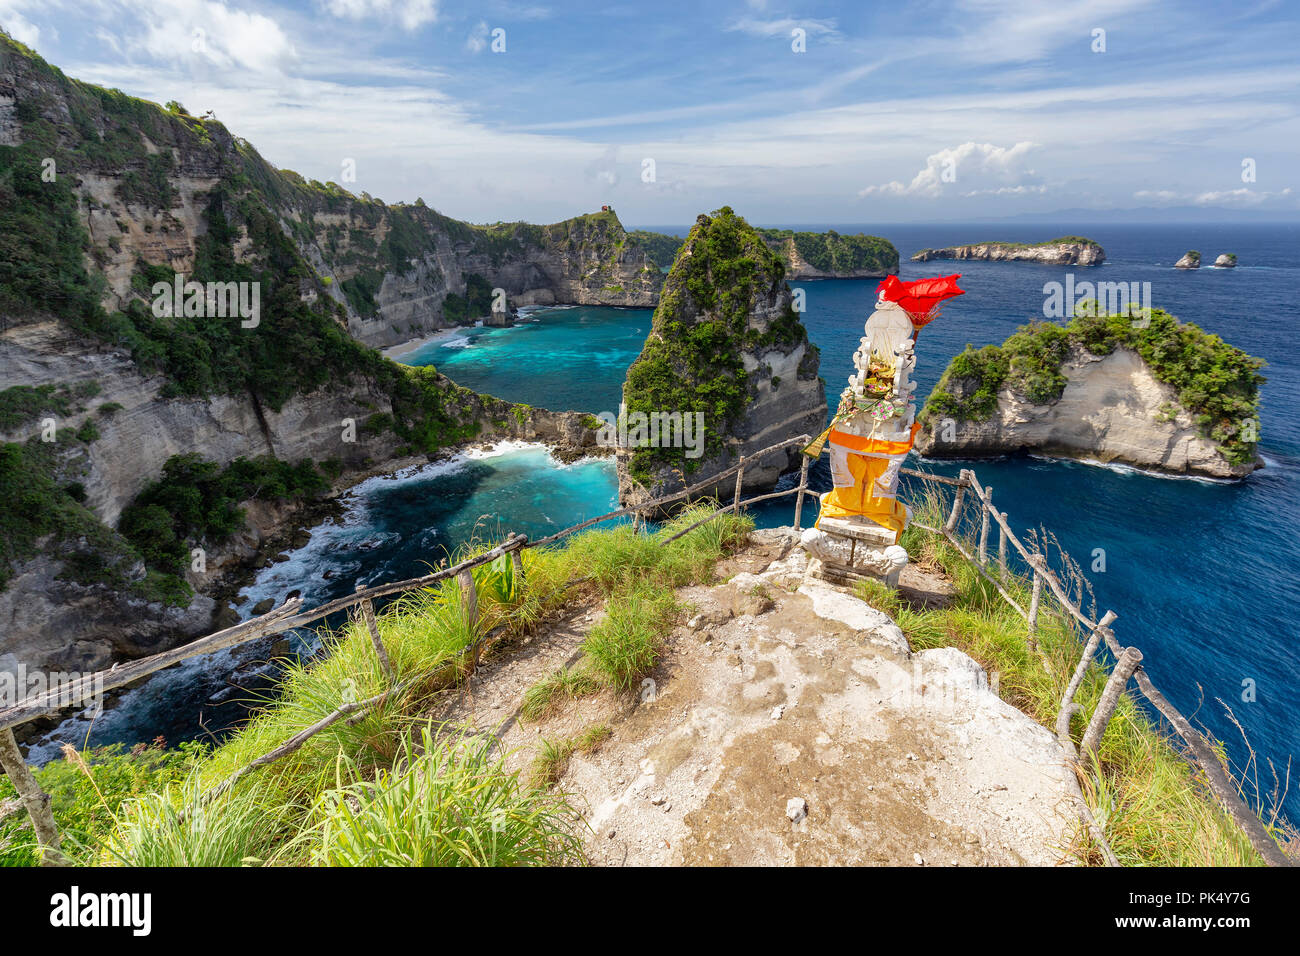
{"x":573,"y":357}
{"x":1202,"y":574}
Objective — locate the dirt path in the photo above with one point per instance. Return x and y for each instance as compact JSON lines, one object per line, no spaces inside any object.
{"x":788,"y":723}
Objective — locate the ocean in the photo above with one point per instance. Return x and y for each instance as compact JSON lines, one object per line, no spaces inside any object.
{"x":1202,"y":574}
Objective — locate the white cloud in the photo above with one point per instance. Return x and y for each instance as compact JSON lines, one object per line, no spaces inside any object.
{"x":781,"y":27}
{"x":411,"y":14}
{"x":214,"y":33}
{"x":1240,"y":197}
{"x":972,"y":168}
{"x":17,"y":25}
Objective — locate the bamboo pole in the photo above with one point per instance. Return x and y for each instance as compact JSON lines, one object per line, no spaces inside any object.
{"x":1119,"y":677}
{"x":803,"y":488}
{"x":90,"y":686}
{"x":368,"y":612}
{"x":740,"y":478}
{"x":516,"y":558}
{"x":36,"y":800}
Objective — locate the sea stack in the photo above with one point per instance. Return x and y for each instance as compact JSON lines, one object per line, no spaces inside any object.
{"x":1191,"y":260}
{"x":1132,"y":393}
{"x":728,"y":358}
{"x":1226,"y":261}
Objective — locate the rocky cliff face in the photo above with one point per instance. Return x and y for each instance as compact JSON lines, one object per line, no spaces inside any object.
{"x":1057,"y":252}
{"x":137,"y":194}
{"x":1112,"y":409}
{"x":727,"y":344}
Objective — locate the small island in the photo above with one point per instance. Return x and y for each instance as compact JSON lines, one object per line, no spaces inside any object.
{"x":1062,"y":251}
{"x":1190,"y":260}
{"x":1226,"y":261}
{"x":1157,"y":394}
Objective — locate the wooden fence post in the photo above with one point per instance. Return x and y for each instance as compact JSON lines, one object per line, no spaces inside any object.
{"x":1002,"y":550}
{"x":986,"y":503}
{"x":1089,"y":649}
{"x":368,"y":612}
{"x":34,"y":798}
{"x":803,"y":486}
{"x":518,"y":561}
{"x":469,"y":596}
{"x":1119,"y":677}
{"x":951,"y":524}
{"x":1034,"y":600}
{"x":740,"y":477}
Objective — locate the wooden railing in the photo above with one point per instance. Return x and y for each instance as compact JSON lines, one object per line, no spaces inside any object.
{"x":290,"y":615}
{"x":1127,"y":660}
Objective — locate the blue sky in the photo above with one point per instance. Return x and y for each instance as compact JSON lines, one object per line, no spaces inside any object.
{"x":941,"y":109}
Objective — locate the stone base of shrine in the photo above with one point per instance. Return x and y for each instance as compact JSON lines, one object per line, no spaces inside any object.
{"x":846,"y":550}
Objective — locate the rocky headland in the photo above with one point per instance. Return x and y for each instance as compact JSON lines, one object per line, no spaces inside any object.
{"x":1065,"y":251}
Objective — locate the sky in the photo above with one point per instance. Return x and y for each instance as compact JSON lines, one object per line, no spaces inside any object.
{"x":822,"y":113}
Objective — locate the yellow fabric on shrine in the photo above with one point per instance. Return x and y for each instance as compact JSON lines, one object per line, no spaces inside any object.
{"x":858,"y":500}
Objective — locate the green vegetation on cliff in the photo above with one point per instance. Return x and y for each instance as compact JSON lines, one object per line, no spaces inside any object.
{"x":1216,"y":382}
{"x":831,"y":252}
{"x":825,"y":251}
{"x":660,"y":247}
{"x":691,"y":361}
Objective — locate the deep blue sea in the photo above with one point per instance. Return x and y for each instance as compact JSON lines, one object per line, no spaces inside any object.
{"x":1203,"y":575}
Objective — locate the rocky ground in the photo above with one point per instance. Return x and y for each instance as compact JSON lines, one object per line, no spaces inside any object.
{"x":788,"y":722}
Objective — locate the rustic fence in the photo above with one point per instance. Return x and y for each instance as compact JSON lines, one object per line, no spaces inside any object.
{"x":290,"y":616}
{"x":1127,"y":663}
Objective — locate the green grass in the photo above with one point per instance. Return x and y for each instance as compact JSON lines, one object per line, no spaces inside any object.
{"x":552,"y":757}
{"x":1151,"y":803}
{"x":382,"y":787}
{"x":625,"y":645}
{"x":448,"y":802}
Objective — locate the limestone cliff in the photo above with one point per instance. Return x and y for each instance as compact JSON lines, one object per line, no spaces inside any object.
{"x":1104,"y":390}
{"x":1068,"y":250}
{"x":725,"y":343}
{"x":102,"y":196}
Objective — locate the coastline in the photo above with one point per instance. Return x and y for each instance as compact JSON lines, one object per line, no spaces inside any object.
{"x":399,"y":352}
